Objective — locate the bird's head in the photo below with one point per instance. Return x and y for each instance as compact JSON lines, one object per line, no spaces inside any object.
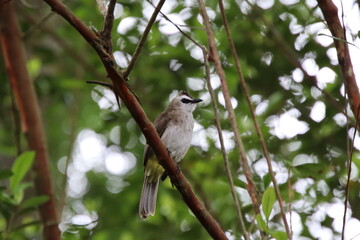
{"x":185,"y":102}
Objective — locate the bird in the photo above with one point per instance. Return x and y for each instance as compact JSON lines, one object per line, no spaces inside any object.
{"x":175,"y":127}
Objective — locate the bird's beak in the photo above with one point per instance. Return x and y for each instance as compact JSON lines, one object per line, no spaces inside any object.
{"x":196,"y":100}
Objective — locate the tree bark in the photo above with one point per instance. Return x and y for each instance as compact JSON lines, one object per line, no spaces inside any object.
{"x":330,"y":12}
{"x":31,"y":122}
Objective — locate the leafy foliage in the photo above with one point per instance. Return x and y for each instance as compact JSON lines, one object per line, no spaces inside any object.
{"x":14,"y":208}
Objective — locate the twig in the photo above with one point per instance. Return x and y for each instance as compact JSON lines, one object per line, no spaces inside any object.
{"x":105,"y":84}
{"x":240,"y":146}
{"x":291,"y":197}
{"x":347,"y":189}
{"x":37,"y":25}
{"x":143,"y":39}
{"x":256,"y":124}
{"x":223,"y":150}
{"x":121,"y":88}
{"x":179,"y":29}
{"x":109,"y":85}
{"x":74,"y":112}
{"x":108,"y":24}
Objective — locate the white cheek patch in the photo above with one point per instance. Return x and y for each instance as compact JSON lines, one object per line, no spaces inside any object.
{"x":186,"y":97}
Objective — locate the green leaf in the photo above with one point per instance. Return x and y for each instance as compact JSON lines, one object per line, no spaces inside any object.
{"x":310,"y":170}
{"x":268,"y":201}
{"x":34,"y":201}
{"x":267,"y":180}
{"x":240,"y":183}
{"x":262,"y":224}
{"x":20,"y":168}
{"x":279,"y":235}
{"x":338,"y":39}
{"x":5,"y":173}
{"x":18,"y":193}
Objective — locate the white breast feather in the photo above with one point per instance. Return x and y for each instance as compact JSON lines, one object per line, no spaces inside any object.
{"x":177,"y":137}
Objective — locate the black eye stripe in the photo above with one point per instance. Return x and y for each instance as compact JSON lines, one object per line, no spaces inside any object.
{"x":185,"y":100}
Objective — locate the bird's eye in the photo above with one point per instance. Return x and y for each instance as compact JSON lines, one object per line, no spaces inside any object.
{"x":185,"y":100}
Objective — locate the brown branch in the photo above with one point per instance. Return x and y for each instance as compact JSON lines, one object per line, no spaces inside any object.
{"x":222,"y":144}
{"x":143,"y":39}
{"x":147,"y":128}
{"x":330,"y":13}
{"x":220,"y":71}
{"x":108,"y":24}
{"x":256,"y":124}
{"x":32,"y":126}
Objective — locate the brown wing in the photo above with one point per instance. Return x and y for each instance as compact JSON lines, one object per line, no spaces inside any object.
{"x":160,"y":123}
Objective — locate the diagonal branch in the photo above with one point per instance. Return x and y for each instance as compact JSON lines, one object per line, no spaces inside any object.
{"x":330,"y":13}
{"x":222,"y":144}
{"x":256,"y":124}
{"x":121,"y":89}
{"x":179,"y":29}
{"x":143,"y":38}
{"x":240,"y":146}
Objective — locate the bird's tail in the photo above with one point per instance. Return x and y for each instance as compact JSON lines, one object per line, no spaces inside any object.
{"x":148,"y":197}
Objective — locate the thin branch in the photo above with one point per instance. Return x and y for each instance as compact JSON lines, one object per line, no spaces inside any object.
{"x":105,"y":84}
{"x":143,"y":39}
{"x":347,"y":189}
{"x":223,"y":150}
{"x":330,"y":13}
{"x":32,"y":125}
{"x":36,"y":26}
{"x":74,"y":113}
{"x":121,"y":88}
{"x":220,"y":71}
{"x":256,"y":124}
{"x":179,"y":29}
{"x":108,"y":24}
